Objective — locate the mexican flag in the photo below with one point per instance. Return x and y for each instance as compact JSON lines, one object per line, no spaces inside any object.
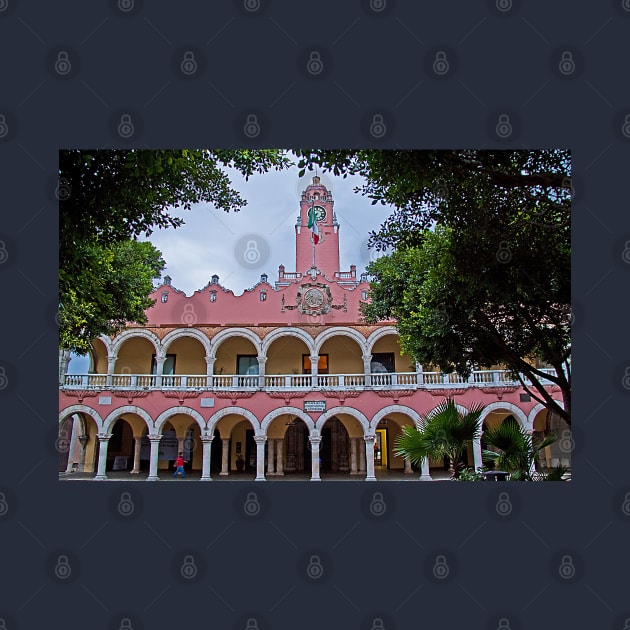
{"x":312,"y":224}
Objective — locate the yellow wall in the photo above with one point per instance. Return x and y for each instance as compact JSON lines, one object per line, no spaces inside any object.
{"x":390,"y":343}
{"x":285,"y":356}
{"x":134,"y":357}
{"x":189,"y":356}
{"x":226,"y":354}
{"x":344,"y":355}
{"x":99,"y":357}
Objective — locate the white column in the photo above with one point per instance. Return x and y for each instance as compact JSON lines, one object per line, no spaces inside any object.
{"x":260,"y":457}
{"x":314,"y":363}
{"x":262,"y":361}
{"x":353,"y":456}
{"x":369,"y":457}
{"x":367,"y":369}
{"x":64,"y":359}
{"x":419,"y":375}
{"x":159,"y":370}
{"x":424,"y":470}
{"x":270,"y":466}
{"x":137,"y":444}
{"x":209,"y":370}
{"x":225,"y":443}
{"x":361,"y":456}
{"x":74,"y":421}
{"x":153,"y":462}
{"x":206,"y":444}
{"x":315,"y":441}
{"x":408,"y":470}
{"x":279,"y":457}
{"x":476,"y":448}
{"x":103,"y":440}
{"x":111,"y":363}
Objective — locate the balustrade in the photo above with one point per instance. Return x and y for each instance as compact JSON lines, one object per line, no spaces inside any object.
{"x":478,"y":378}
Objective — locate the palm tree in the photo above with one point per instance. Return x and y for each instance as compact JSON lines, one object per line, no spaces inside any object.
{"x":517,"y":454}
{"x":444,"y":432}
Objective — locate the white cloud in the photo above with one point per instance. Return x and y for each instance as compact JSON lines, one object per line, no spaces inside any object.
{"x":205,"y":244}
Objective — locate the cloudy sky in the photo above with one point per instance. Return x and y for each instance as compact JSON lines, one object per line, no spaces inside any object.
{"x":238,"y":247}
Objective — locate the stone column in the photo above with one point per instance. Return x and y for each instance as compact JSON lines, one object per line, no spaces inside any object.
{"x":260,"y":457}
{"x":159,"y":369}
{"x":314,"y":362}
{"x":111,"y":365}
{"x":270,"y":465}
{"x":137,"y":445}
{"x":72,"y":443}
{"x":367,"y":369}
{"x":424,"y":470}
{"x":103,"y":441}
{"x":225,"y":454}
{"x":361,"y":456}
{"x":64,"y":359}
{"x":209,"y":370}
{"x":419,"y":375}
{"x":408,"y":470}
{"x":153,"y":462}
{"x":206,"y":444}
{"x":476,"y":448}
{"x":369,"y":456}
{"x":353,"y":456}
{"x":262,"y":361}
{"x":279,"y":457}
{"x":315,"y":441}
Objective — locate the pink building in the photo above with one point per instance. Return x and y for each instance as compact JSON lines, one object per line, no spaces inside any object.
{"x":284,"y":379}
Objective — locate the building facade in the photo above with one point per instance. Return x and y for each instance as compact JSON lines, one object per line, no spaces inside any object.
{"x":283,"y":379}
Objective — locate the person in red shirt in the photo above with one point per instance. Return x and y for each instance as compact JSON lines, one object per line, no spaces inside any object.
{"x":179,"y":465}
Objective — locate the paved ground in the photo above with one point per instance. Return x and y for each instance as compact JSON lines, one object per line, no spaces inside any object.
{"x":164,"y":475}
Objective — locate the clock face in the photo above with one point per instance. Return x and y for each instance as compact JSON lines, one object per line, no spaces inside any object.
{"x":320,"y":213}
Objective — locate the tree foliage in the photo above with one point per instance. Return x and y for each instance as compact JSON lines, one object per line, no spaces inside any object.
{"x":108,"y":198}
{"x":480,"y":269}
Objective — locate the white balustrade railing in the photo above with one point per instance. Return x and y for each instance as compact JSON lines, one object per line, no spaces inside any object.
{"x":478,"y":378}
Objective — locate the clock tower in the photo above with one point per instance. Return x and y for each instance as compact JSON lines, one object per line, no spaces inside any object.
{"x":325,"y":254}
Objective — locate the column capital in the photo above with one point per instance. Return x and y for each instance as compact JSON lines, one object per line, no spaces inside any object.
{"x":260,"y":439}
{"x":210,"y":360}
{"x":366,"y":358}
{"x":262,"y":360}
{"x":369,"y":438}
{"x":104,"y":437}
{"x":206,"y":438}
{"x":315,"y":439}
{"x":155,"y":437}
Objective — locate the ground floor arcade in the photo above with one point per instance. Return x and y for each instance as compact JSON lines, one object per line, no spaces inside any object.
{"x":233,"y":443}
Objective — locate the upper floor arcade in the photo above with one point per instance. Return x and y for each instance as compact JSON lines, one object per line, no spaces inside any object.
{"x":261,"y":358}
